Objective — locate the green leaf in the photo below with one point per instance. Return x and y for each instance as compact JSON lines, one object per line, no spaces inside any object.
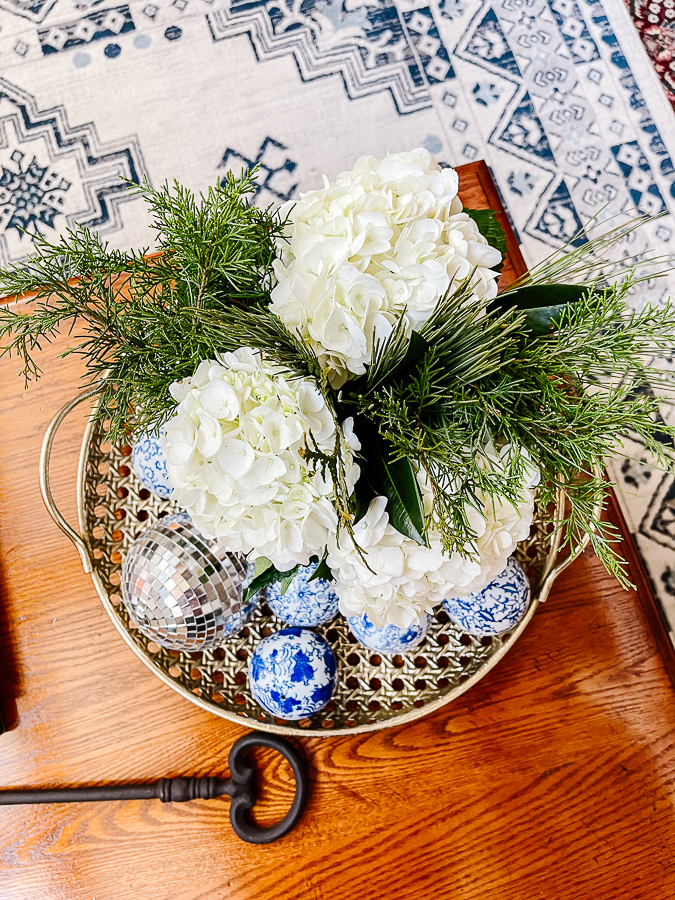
{"x":264,"y":574}
{"x":363,"y":494}
{"x":543,"y":304}
{"x":262,"y":564}
{"x":417,"y":347}
{"x":492,"y":231}
{"x":323,"y":571}
{"x":394,"y":480}
{"x":287,"y":579}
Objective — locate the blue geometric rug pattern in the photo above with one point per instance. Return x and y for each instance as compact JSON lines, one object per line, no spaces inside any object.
{"x":558,"y":96}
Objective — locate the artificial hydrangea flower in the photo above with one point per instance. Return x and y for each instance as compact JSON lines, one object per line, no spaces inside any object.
{"x":235,"y":460}
{"x":403,"y":580}
{"x":384,"y":240}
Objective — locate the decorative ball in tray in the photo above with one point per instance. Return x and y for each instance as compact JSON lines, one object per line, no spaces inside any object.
{"x":344,"y":381}
{"x":373,"y":690}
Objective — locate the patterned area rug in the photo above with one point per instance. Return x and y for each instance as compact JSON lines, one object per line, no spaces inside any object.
{"x":655,"y":22}
{"x":558,"y":96}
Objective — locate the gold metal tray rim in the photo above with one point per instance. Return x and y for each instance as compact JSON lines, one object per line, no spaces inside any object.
{"x":549,"y":574}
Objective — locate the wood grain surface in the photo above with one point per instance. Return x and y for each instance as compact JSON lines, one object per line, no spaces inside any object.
{"x":552,"y":778}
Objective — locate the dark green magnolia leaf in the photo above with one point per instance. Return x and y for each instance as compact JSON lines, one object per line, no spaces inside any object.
{"x":417,"y":347}
{"x":544,"y":320}
{"x":394,"y":480}
{"x":323,"y":571}
{"x":492,"y":231}
{"x":543,"y":304}
{"x":264,"y":574}
{"x":363,"y":494}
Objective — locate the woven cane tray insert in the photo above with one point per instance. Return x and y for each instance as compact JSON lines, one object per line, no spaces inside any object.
{"x":372,"y":692}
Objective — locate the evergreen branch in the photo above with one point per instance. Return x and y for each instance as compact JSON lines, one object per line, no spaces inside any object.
{"x":135,"y":318}
{"x":259,"y":329}
{"x":219,"y":245}
{"x":549,"y":395}
{"x":584,"y":259}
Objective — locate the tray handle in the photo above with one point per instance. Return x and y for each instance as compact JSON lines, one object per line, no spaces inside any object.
{"x":552,"y":572}
{"x":45,"y":487}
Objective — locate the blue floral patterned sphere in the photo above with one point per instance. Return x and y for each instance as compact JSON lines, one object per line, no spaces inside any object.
{"x":389,"y":639}
{"x":292,"y":673}
{"x":306,"y":603}
{"x":497,"y":608}
{"x":149,"y":464}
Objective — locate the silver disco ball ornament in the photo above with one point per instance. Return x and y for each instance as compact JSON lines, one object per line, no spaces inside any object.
{"x":183,"y":590}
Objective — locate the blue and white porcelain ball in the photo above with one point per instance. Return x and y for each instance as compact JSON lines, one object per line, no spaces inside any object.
{"x":305,"y":603}
{"x":149,"y":463}
{"x":292,"y":673}
{"x":391,"y":638}
{"x":497,"y":608}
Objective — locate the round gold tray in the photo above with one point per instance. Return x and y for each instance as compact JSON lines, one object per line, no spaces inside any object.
{"x":373,"y":691}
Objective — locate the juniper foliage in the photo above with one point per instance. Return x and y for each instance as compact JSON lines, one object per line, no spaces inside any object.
{"x":567,"y":398}
{"x":473,"y":376}
{"x":136,"y":319}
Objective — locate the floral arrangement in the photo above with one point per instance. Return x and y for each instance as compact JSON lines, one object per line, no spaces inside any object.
{"x":340,"y":381}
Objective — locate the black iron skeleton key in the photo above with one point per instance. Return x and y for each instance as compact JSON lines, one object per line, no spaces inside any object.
{"x":240,"y":788}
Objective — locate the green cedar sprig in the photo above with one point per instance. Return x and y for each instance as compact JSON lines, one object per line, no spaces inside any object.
{"x":132,"y":316}
{"x":548,"y":368}
{"x":567,"y":397}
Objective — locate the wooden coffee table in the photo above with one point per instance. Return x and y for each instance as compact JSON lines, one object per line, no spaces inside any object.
{"x":552,"y":778}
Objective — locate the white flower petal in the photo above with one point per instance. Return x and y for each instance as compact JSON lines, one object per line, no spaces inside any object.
{"x":220,"y":400}
{"x":235,"y":458}
{"x":399,"y":580}
{"x":384,"y":239}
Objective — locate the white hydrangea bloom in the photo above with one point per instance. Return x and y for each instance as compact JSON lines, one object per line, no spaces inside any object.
{"x":408,"y":580}
{"x":234,"y":458}
{"x":385,"y":239}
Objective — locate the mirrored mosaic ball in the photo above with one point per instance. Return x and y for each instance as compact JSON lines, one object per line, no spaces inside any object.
{"x":305,"y":603}
{"x":497,"y":608}
{"x":149,"y":463}
{"x":391,"y":638}
{"x":292,"y":673}
{"x":183,"y":590}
